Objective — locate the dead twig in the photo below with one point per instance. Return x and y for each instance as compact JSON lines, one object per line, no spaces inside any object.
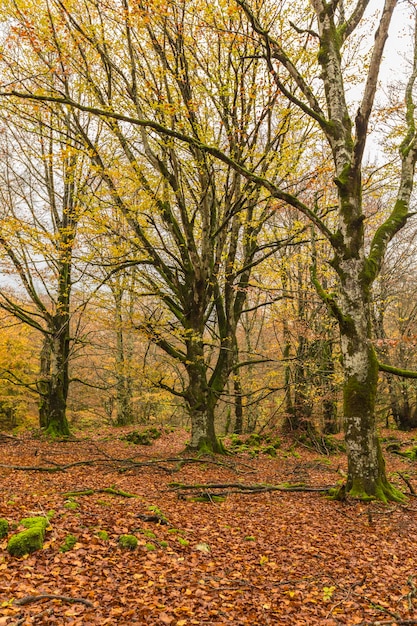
{"x":52,"y":596}
{"x":407,"y":482}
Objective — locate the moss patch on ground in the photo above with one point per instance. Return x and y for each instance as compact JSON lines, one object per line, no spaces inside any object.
{"x":28,"y":540}
{"x":4,"y":527}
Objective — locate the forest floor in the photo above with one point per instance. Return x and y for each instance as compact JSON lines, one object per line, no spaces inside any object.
{"x":255,"y":558}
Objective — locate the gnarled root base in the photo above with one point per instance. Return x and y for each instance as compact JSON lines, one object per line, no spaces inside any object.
{"x":384,"y":492}
{"x":207,"y":446}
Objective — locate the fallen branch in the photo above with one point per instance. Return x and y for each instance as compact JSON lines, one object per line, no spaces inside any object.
{"x":407,"y":482}
{"x":9,"y":438}
{"x":41,"y":468}
{"x":393,"y":622}
{"x":52,"y":596}
{"x":127,"y":463}
{"x":241,"y":488}
{"x":90,"y":492}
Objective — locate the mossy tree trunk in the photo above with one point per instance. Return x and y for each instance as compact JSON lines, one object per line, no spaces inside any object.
{"x":57,"y":423}
{"x":356,"y":272}
{"x":197,"y":397}
{"x":43,"y":383}
{"x":366,"y":470}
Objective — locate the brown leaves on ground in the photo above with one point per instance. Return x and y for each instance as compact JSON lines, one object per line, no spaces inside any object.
{"x":270,"y":558}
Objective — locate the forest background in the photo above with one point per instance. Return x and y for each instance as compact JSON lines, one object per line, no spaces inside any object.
{"x":187,"y":232}
{"x":208,"y":312}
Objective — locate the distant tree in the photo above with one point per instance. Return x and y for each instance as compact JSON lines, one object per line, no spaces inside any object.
{"x":42,"y":181}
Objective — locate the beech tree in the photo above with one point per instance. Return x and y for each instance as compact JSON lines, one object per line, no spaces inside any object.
{"x":356,"y":268}
{"x":195,"y":223}
{"x":41,"y":203}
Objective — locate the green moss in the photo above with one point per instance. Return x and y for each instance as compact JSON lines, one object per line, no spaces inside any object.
{"x":384,"y":492}
{"x":150,"y":546}
{"x":270,"y":451}
{"x":359,"y":396}
{"x":4,"y":527}
{"x":30,"y":522}
{"x":118,"y":492}
{"x":71,"y":505}
{"x":57,"y":430}
{"x":69,"y":543}
{"x":145,"y":438}
{"x":183,"y":542}
{"x":128,"y":542}
{"x":30,"y":539}
{"x":157,"y":511}
{"x":253,"y":444}
{"x":206,"y":446}
{"x":103,"y":535}
{"x":149,"y":533}
{"x":206,"y":497}
{"x":163,"y":544}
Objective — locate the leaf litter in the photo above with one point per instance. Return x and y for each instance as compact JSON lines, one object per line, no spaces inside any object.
{"x":262,"y":558}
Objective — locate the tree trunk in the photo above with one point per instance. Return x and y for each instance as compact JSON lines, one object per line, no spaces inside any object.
{"x":366,"y":467}
{"x":201,"y":401}
{"x":43,"y":383}
{"x":330,"y":421}
{"x":237,"y":386}
{"x":56,"y":419}
{"x":124,"y":412}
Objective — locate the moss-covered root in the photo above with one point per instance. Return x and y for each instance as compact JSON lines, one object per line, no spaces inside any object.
{"x":4,"y":527}
{"x":30,"y":539}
